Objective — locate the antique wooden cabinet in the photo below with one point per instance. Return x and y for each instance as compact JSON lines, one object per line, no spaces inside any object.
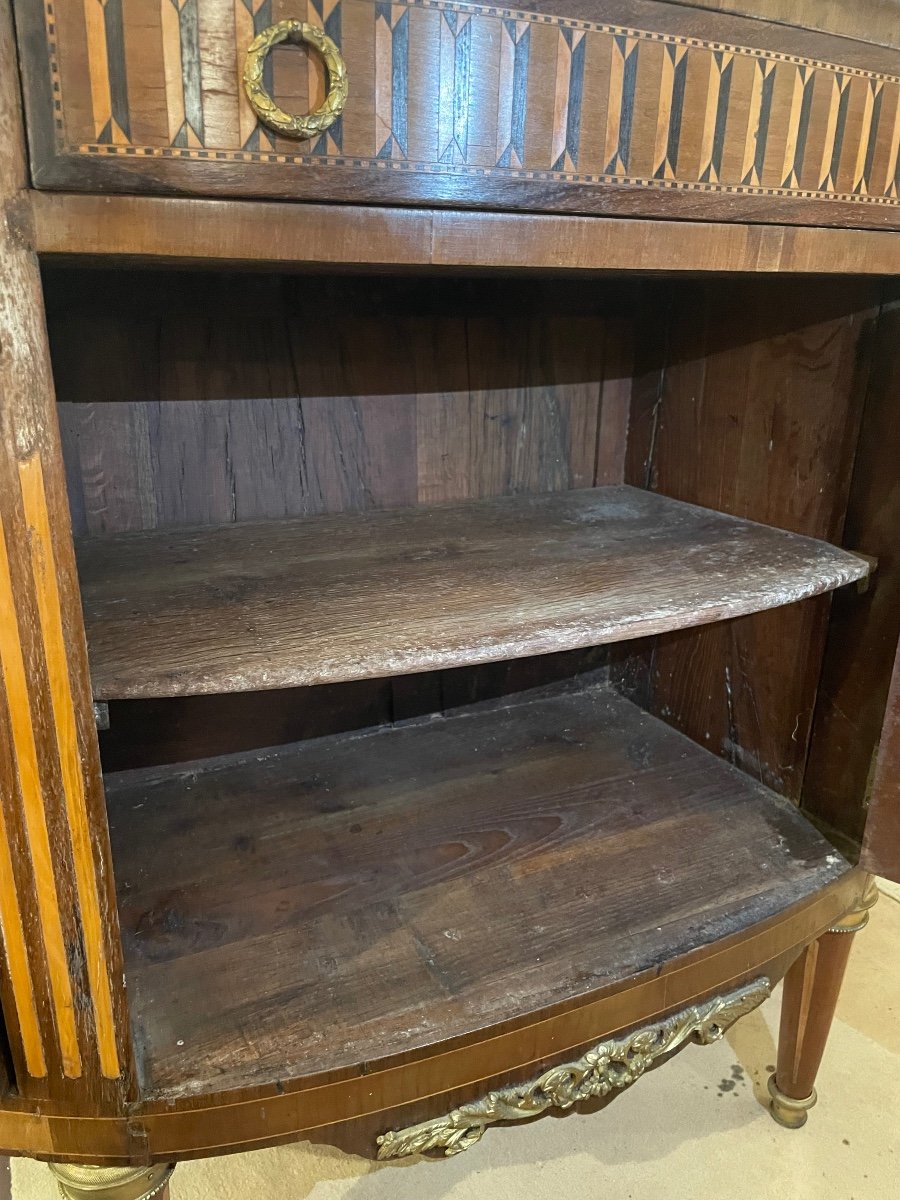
{"x":448,"y":558}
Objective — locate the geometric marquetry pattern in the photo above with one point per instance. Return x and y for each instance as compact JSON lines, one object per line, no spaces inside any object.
{"x":465,"y":89}
{"x":181,"y":48}
{"x":41,"y":776}
{"x":106,"y":50}
{"x":391,"y":81}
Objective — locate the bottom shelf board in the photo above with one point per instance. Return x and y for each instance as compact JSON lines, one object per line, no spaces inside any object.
{"x":337,"y":902}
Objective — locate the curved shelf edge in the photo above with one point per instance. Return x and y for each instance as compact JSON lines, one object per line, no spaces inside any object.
{"x":313,"y":1107}
{"x":350,"y":596}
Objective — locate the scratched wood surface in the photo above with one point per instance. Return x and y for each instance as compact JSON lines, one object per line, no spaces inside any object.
{"x":752,"y":406}
{"x":189,"y":399}
{"x":60,"y":960}
{"x":292,"y":603}
{"x":642,"y":107}
{"x":865,"y":626}
{"x":342,"y":885}
{"x":428,"y":392}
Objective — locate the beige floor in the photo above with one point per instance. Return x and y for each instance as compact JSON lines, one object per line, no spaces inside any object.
{"x":695,"y":1128}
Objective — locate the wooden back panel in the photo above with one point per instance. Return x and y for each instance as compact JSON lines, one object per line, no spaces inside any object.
{"x":358,"y":393}
{"x":198,"y":399}
{"x":216,"y":399}
{"x":642,"y":107}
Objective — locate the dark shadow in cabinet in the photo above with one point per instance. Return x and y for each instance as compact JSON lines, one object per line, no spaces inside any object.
{"x":205,"y":398}
{"x":753,"y":405}
{"x":193,"y":398}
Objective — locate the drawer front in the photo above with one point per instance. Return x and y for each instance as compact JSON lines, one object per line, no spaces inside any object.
{"x":655,"y":109}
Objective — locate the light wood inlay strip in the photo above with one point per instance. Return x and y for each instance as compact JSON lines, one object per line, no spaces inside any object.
{"x":709,"y":116}
{"x":859,"y":166}
{"x":13,"y":934}
{"x":16,"y":682}
{"x":752,"y":132}
{"x":793,"y":127}
{"x":173,"y":68}
{"x":101,"y":100}
{"x":892,"y":153}
{"x":830,"y":131}
{"x":663,"y":113}
{"x":49,"y":608}
{"x":614,"y":104}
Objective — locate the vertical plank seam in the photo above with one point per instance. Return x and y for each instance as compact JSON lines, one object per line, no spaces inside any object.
{"x":598,"y":434}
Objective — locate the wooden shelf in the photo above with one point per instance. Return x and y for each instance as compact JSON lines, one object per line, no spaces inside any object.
{"x":342,"y":901}
{"x":354,"y":596}
{"x":304,"y":236}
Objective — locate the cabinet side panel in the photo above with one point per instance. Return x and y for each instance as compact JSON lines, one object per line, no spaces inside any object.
{"x":865,"y":626}
{"x":750,"y":404}
{"x":881,"y":848}
{"x":62,"y":992}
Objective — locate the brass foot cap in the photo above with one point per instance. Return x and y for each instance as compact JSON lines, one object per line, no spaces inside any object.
{"x":787,"y":1111}
{"x":111,"y":1183}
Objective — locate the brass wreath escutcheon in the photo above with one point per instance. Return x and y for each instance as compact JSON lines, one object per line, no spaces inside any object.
{"x":264,"y":106}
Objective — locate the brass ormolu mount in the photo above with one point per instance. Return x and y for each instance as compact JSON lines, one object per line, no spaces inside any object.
{"x":111,"y":1183}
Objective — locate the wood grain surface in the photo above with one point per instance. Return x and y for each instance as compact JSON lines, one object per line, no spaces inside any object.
{"x":372,"y":895}
{"x":865,"y":20}
{"x":809,"y":999}
{"x":60,"y":960}
{"x":752,"y":405}
{"x":293,"y":603}
{"x":178,"y":407}
{"x":864,"y":629}
{"x":642,"y":107}
{"x":881,"y":848}
{"x":205,"y":232}
{"x":191,"y":398}
{"x":414,"y":1087}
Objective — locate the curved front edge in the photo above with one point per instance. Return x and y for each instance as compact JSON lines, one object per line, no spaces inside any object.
{"x":350,"y":1108}
{"x":611,"y":1065}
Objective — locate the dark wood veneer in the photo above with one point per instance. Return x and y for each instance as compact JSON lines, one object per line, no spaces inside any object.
{"x":154,"y":111}
{"x":340,"y":936}
{"x":290,"y":603}
{"x":377,"y":895}
{"x":280,"y":235}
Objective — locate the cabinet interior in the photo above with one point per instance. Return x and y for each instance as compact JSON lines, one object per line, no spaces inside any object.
{"x":201,"y":400}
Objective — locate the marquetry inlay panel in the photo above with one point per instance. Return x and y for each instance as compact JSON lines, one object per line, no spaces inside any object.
{"x":51,"y":923}
{"x":456,"y":90}
{"x":62,"y":990}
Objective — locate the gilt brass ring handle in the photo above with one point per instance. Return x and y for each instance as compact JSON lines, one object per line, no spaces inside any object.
{"x":311,"y":124}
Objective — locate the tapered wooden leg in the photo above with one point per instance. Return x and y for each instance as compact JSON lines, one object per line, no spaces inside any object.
{"x":811,"y":989}
{"x":112,"y":1183}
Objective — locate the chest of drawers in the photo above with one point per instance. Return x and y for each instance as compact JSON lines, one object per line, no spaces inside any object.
{"x":449,"y":588}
